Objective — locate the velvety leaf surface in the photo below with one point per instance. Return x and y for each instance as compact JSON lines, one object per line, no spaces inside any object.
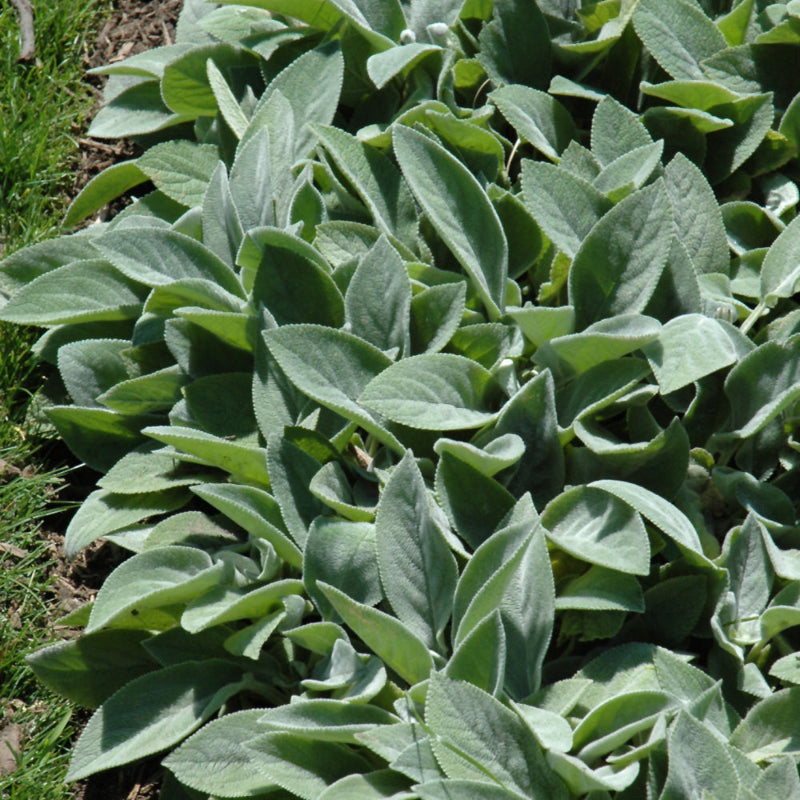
{"x":515,"y":45}
{"x":696,"y":215}
{"x":619,"y":263}
{"x":605,"y":340}
{"x":243,"y":460}
{"x":256,"y":511}
{"x":678,"y":34}
{"x":378,"y":299}
{"x":341,"y":554}
{"x":137,"y":110}
{"x":103,"y":188}
{"x":90,"y":670}
{"x":442,"y":384}
{"x":470,"y":750}
{"x":436,"y":313}
{"x":105,"y":512}
{"x":157,"y":256}
{"x":378,"y":182}
{"x":616,"y":130}
{"x":388,"y":638}
{"x":311,"y":84}
{"x":177,"y":700}
{"x":180,"y":169}
{"x":225,"y":604}
{"x":150,"y":580}
{"x":83,"y":291}
{"x":598,"y":528}
{"x":294,"y":288}
{"x":688,"y":348}
{"x":770,"y":728}
{"x":291,"y":470}
{"x":564,"y":205}
{"x":779,"y":268}
{"x":302,"y":766}
{"x":433,"y":392}
{"x":471,"y":228}
{"x":691,"y":743}
{"x":372,"y":786}
{"x":215,"y":758}
{"x":332,"y":367}
{"x":418,"y":572}
{"x":530,"y":414}
{"x":537,"y":117}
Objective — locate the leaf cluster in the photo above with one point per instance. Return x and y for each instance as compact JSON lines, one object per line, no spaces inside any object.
{"x":444,"y":388}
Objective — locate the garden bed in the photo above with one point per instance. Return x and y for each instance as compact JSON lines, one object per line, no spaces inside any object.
{"x":442,"y":381}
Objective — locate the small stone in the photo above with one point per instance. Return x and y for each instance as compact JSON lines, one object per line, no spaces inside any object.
{"x":10,"y":746}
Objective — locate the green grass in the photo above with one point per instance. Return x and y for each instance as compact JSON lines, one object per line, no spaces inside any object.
{"x":25,"y":579}
{"x":43,"y":108}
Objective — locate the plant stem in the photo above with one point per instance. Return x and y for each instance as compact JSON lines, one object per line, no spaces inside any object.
{"x":751,"y":320}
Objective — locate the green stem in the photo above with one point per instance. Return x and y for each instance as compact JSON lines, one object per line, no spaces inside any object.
{"x":784,"y":648}
{"x":757,"y":651}
{"x":751,"y":320}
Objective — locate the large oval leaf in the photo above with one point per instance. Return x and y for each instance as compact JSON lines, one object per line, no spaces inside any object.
{"x":152,"y":579}
{"x":332,"y":367}
{"x":619,"y":264}
{"x":152,"y":713}
{"x":215,"y":759}
{"x":460,"y":210}
{"x":83,"y":291}
{"x":155,"y":256}
{"x":418,"y":571}
{"x":434,"y":392}
{"x":597,"y":527}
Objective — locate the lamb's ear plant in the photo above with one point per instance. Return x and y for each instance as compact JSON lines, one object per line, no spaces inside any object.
{"x":444,"y":389}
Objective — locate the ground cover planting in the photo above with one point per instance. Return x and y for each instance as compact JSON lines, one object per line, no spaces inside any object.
{"x":39,"y":101}
{"x":442,"y":384}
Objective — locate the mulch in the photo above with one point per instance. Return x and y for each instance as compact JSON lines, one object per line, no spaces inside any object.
{"x":134,"y":26}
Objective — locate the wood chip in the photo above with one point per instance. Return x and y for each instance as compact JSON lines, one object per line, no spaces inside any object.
{"x":123,"y":53}
{"x":6,"y":468}
{"x":134,"y":793}
{"x":17,"y":552}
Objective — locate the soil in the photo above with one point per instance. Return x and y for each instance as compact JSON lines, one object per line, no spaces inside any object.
{"x":138,"y":782}
{"x":134,"y":26}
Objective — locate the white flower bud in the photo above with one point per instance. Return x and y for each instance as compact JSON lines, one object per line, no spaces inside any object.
{"x":439,"y":32}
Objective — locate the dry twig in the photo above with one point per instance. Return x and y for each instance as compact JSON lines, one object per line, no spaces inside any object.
{"x":27,"y":46}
